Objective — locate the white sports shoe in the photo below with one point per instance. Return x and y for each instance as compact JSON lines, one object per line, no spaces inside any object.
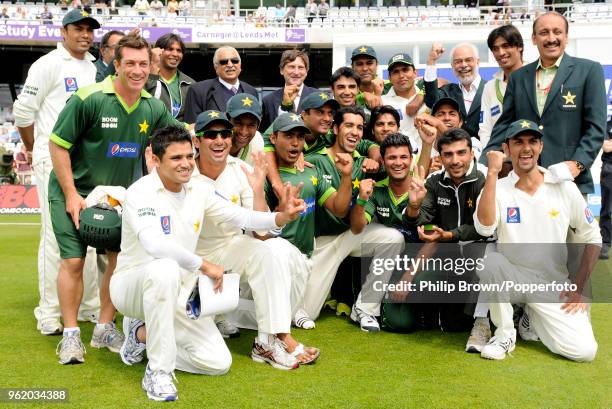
{"x":50,"y":326}
{"x":525,"y":331}
{"x":227,"y":329}
{"x":274,"y":353}
{"x":302,"y":320}
{"x":71,"y":350}
{"x":88,"y":316}
{"x":159,"y":385}
{"x":480,"y":335}
{"x":367,"y":322}
{"x":132,"y":351}
{"x":497,"y":348}
{"x":107,"y":337}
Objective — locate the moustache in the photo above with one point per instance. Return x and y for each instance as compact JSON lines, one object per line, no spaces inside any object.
{"x":554,"y":43}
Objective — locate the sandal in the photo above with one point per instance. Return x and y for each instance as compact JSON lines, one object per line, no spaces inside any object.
{"x":311,"y":352}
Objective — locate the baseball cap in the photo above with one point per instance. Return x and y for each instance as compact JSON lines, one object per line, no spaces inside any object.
{"x":401,"y":58}
{"x":206,"y":118}
{"x":288,"y":122}
{"x":75,"y":16}
{"x":317,"y":100}
{"x":243,"y":104}
{"x":522,"y":126}
{"x":364,"y":50}
{"x":446,"y":101}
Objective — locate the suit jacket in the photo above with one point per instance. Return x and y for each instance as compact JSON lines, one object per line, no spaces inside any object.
{"x":471,"y":119}
{"x":271,"y":103}
{"x":209,"y":94}
{"x":574,"y":117}
{"x":102,"y":70}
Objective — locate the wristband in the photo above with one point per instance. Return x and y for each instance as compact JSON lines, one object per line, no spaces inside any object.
{"x":361,"y":202}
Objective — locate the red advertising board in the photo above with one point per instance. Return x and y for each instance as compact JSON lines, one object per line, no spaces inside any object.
{"x":18,"y":199}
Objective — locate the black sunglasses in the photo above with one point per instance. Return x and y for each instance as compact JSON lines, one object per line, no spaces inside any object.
{"x":212,"y":134}
{"x":234,"y":61}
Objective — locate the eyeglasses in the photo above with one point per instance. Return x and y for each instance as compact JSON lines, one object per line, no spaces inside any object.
{"x":225,"y":61}
{"x":212,"y":133}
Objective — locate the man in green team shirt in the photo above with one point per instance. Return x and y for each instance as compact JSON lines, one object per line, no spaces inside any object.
{"x":335,"y":241}
{"x":170,"y":85}
{"x":244,"y":112}
{"x":98,"y":139}
{"x":288,"y":139}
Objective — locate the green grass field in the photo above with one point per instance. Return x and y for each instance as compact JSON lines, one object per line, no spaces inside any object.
{"x":356,"y":370}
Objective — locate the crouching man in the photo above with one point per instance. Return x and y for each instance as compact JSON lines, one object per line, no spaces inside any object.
{"x":162,"y":218}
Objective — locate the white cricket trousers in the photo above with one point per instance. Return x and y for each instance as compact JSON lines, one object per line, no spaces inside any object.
{"x":153,"y":293}
{"x":375,"y":241}
{"x":569,"y":335}
{"x":266,"y":267}
{"x":49,"y":258}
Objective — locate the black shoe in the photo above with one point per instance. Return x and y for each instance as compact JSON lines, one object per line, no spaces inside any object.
{"x":604,"y":253}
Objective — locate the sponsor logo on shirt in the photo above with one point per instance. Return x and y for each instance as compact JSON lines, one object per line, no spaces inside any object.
{"x":382,"y":211}
{"x":71,"y":84}
{"x":309,"y":204}
{"x":109,"y":122}
{"x":327,"y":178}
{"x":443,"y":201}
{"x":123,"y":150}
{"x":146,"y":211}
{"x":165,"y":224}
{"x":513,"y":215}
{"x":481,"y":119}
{"x":495,"y":110}
{"x":588,"y":215}
{"x":176,"y":107}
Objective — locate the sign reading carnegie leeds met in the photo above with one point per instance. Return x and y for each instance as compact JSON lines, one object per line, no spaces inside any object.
{"x":47,"y":32}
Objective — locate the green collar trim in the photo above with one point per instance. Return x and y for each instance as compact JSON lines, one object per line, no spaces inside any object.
{"x":288,"y":170}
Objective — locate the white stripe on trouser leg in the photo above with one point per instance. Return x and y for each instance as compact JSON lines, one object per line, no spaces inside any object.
{"x":269,"y":282}
{"x":49,"y":257}
{"x":331,"y":250}
{"x":569,"y":335}
{"x":200,"y":348}
{"x":150,"y":294}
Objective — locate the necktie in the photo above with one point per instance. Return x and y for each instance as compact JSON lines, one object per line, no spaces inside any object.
{"x":234,"y":90}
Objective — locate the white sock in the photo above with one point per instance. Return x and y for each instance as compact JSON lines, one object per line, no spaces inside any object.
{"x":71,"y":331}
{"x":264,"y":338}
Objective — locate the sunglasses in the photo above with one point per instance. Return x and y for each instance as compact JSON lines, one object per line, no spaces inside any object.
{"x":225,"y":61}
{"x":212,"y":134}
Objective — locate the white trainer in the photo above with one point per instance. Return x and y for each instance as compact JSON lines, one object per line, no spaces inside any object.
{"x":274,"y":353}
{"x":480,"y":335}
{"x":227,"y":329}
{"x":50,"y":326}
{"x":525,"y":331}
{"x":159,"y":385}
{"x":107,"y":337}
{"x":367,"y":322}
{"x":497,"y":348}
{"x":132,"y":351}
{"x":71,"y":350}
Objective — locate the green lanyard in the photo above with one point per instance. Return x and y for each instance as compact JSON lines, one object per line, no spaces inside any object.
{"x":500,"y":96}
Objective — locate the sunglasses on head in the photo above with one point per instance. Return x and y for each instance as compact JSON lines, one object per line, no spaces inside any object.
{"x":225,"y":61}
{"x":212,"y":134}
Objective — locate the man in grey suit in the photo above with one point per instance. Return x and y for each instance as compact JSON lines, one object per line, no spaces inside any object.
{"x":293,"y":66}
{"x":465,"y":62}
{"x":565,"y":95}
{"x":213,"y":94}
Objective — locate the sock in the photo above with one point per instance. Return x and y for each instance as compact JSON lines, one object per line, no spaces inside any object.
{"x":264,"y":338}
{"x":71,"y":331}
{"x":484,"y":320}
{"x":100,"y":327}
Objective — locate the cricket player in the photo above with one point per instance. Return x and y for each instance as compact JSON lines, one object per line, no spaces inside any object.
{"x":244,"y":112}
{"x":335,"y":241}
{"x":288,"y":139}
{"x":162,"y":219}
{"x":264,"y":265}
{"x":526,"y":207}
{"x":51,"y":80}
{"x":98,"y":140}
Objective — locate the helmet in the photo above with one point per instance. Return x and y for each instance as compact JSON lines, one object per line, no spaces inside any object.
{"x":100,"y":227}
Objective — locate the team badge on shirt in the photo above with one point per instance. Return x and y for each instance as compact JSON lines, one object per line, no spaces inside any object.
{"x":71,"y":84}
{"x":588,"y":215}
{"x":165,"y":224}
{"x":513,"y":215}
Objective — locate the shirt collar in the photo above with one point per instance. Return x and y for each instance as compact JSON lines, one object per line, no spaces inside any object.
{"x":467,"y":174}
{"x":108,"y":88}
{"x":228,"y":85}
{"x":499,"y":75}
{"x":67,"y":56}
{"x":548,"y":177}
{"x":557,"y":63}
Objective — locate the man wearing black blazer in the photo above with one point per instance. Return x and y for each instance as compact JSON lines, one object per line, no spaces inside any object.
{"x":465,"y":62}
{"x":213,"y":94}
{"x":565,"y":95}
{"x":294,"y":69}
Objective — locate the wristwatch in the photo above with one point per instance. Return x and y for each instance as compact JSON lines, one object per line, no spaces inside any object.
{"x":580,"y":166}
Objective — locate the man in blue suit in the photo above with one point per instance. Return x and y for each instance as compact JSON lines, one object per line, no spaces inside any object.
{"x":565,"y":95}
{"x":294,"y":69}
